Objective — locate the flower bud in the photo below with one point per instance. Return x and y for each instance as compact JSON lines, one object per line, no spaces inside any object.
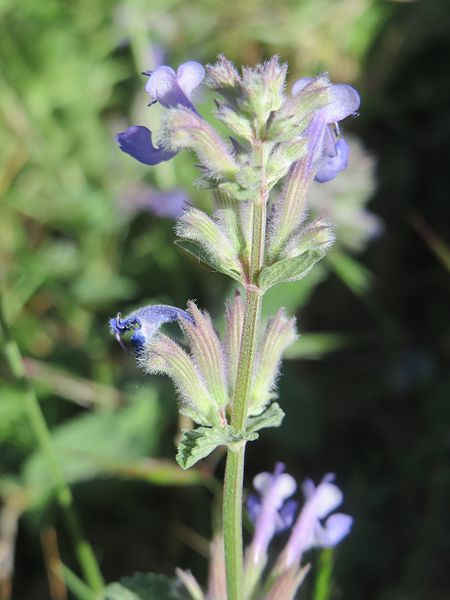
{"x":184,"y":128}
{"x":216,"y":237}
{"x":207,"y":353}
{"x":317,"y":235}
{"x":282,"y":158}
{"x":234,"y":320}
{"x":223,"y":77}
{"x":164,"y":356}
{"x":237,"y":122}
{"x":279,"y":334}
{"x":191,"y":584}
{"x":217,"y":584}
{"x":262,"y":90}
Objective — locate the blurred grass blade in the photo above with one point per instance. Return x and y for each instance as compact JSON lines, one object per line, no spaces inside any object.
{"x":160,"y":472}
{"x":78,"y":588}
{"x":436,"y":244}
{"x":70,"y":387}
{"x":350,"y":271}
{"x":314,"y":345}
{"x":322,"y":587}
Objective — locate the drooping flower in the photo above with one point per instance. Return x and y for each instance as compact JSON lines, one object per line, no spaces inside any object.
{"x":170,"y":89}
{"x":343,"y":102}
{"x":145,"y":323}
{"x":314,"y":527}
{"x":271,"y":511}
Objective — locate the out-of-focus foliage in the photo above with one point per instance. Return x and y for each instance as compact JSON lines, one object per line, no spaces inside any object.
{"x":72,"y":251}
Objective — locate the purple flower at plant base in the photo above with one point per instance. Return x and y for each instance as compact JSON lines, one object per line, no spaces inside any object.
{"x":344,"y":101}
{"x":314,"y":528}
{"x":170,"y":89}
{"x":271,"y":512}
{"x":164,"y":204}
{"x":145,"y":323}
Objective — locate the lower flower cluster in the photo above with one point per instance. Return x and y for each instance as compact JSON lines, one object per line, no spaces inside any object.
{"x":205,"y":372}
{"x":272,"y":511}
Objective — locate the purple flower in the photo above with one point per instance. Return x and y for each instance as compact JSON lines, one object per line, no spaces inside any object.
{"x":313,"y":529}
{"x":343,"y":102}
{"x":271,"y":512}
{"x":334,"y":158}
{"x":172,"y":89}
{"x":145,"y":323}
{"x":169,"y":89}
{"x":137,"y":142}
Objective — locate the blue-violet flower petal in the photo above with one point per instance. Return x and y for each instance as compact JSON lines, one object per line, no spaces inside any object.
{"x":145,"y":323}
{"x":271,"y":513}
{"x":137,"y":142}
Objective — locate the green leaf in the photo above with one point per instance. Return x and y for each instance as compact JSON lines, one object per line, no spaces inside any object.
{"x":14,"y":427}
{"x":290,"y":269}
{"x":196,"y":249}
{"x":97,"y":444}
{"x":143,"y":586}
{"x":196,"y":444}
{"x":271,"y":417}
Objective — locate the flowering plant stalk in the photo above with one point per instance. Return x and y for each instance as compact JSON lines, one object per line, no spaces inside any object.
{"x":260,"y":177}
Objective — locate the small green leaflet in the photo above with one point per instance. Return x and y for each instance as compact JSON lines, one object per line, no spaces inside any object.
{"x":271,"y":417}
{"x":196,"y":249}
{"x":290,"y":269}
{"x":196,"y":444}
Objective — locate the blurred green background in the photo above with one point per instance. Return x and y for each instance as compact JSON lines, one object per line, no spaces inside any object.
{"x":365,"y":389}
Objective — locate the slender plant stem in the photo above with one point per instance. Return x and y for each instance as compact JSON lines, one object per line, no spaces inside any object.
{"x":86,"y":557}
{"x":234,"y":472}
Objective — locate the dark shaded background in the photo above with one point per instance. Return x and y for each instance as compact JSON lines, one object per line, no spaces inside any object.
{"x":374,"y":409}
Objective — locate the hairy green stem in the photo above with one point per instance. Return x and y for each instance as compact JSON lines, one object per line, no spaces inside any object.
{"x":86,"y":557}
{"x":234,"y":472}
